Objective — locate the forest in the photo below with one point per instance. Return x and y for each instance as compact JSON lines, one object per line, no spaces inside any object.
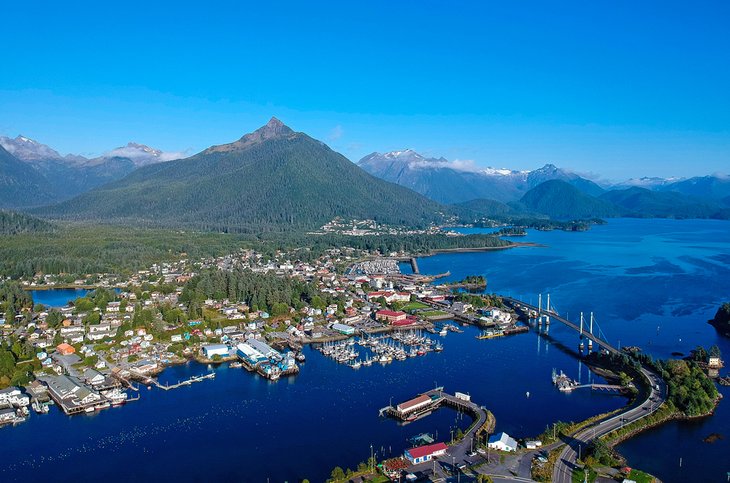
{"x":86,"y":249}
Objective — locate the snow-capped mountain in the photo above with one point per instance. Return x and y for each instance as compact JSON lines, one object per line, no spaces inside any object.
{"x":457,"y":181}
{"x":142,"y":155}
{"x":66,"y":176}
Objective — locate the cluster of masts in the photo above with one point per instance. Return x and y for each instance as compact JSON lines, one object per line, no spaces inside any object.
{"x":384,"y":349}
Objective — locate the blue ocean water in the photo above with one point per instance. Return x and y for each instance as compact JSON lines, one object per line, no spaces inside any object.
{"x":652,"y":283}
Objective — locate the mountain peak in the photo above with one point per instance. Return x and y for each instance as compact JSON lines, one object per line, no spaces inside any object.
{"x":271,"y":130}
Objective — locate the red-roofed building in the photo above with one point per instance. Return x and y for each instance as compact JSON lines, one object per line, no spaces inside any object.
{"x":65,"y":349}
{"x":390,"y":316}
{"x":421,"y":454}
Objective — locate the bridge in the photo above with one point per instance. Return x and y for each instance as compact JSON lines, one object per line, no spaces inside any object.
{"x":550,"y":312}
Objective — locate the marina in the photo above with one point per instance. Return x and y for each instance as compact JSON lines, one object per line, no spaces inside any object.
{"x":364,"y":351}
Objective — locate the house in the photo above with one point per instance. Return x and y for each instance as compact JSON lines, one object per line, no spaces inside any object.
{"x":390,"y":316}
{"x":176,"y":338}
{"x":421,"y":454}
{"x":65,"y":349}
{"x":502,"y":442}
{"x":212,"y":350}
{"x":12,"y":395}
{"x":714,"y":362}
{"x":7,"y":415}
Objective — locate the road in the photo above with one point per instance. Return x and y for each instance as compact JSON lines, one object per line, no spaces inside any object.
{"x":566,"y":463}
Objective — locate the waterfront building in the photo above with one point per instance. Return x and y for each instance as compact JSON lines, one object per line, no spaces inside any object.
{"x":343,"y":329}
{"x":212,"y":350}
{"x":422,"y":454}
{"x":390,"y":316}
{"x":502,"y":442}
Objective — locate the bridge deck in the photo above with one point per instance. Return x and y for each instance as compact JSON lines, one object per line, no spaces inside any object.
{"x":564,"y":321}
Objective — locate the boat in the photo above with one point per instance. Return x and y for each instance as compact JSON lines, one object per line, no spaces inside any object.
{"x":356,"y":365}
{"x":90,"y":409}
{"x":39,"y":407}
{"x":443,"y":332}
{"x":438,"y":347}
{"x":235,"y":365}
{"x":367,"y":362}
{"x":300,"y":357}
{"x":104,"y":405}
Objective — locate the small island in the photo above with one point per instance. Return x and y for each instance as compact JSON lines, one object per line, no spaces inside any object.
{"x":721,"y":322}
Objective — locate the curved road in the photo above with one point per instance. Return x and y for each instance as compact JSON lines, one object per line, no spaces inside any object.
{"x":563,"y":470}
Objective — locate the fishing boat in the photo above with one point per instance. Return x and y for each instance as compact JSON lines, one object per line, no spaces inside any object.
{"x":438,"y":347}
{"x":300,"y":357}
{"x":356,"y":364}
{"x":236,"y":365}
{"x":443,"y":332}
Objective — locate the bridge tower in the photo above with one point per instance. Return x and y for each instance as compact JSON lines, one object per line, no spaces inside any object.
{"x":548,"y":309}
{"x":590,"y":330}
{"x":539,"y":310}
{"x":580,"y":337}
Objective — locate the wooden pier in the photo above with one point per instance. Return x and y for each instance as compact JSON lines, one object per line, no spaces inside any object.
{"x":187,"y":382}
{"x":483,"y":421}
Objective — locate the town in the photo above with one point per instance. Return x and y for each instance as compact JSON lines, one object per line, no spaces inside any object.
{"x":94,"y":352}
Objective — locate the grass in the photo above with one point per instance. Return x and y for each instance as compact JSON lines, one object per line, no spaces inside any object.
{"x":414,"y":306}
{"x":641,"y":477}
{"x":579,"y":475}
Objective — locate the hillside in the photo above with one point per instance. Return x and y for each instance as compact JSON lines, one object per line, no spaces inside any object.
{"x":561,"y":200}
{"x":641,"y":202}
{"x":12,"y":223}
{"x":64,"y":177}
{"x":486,"y":207}
{"x":271,"y":179}
{"x":20,"y":184}
{"x":705,"y":187}
{"x":453,"y":182}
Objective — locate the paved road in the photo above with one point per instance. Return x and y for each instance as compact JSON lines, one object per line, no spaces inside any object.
{"x":563,"y":470}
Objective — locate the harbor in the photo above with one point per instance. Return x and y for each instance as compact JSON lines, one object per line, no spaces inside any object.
{"x":369,"y":349}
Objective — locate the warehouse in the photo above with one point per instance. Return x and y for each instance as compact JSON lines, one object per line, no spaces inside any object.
{"x":422,"y":454}
{"x":212,"y":350}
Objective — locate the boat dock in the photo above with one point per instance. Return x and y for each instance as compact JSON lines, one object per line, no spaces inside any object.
{"x":424,"y":404}
{"x":187,"y":382}
{"x":566,"y":384}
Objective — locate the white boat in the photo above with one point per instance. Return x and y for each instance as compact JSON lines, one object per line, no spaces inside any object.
{"x":90,"y":409}
{"x":443,"y":332}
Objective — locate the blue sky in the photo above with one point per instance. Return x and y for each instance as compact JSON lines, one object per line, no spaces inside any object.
{"x":618,"y":89}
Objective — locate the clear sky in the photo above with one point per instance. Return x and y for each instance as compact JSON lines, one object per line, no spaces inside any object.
{"x":618,"y":89}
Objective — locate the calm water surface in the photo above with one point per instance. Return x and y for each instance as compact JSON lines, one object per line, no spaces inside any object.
{"x":652,"y":283}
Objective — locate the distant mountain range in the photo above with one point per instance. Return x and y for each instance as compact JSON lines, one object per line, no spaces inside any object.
{"x":50,"y":177}
{"x":270,"y":179}
{"x":448,"y":182}
{"x":275,"y":178}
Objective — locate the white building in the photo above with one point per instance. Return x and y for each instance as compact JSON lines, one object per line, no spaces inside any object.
{"x":502,"y":442}
{"x":212,"y":350}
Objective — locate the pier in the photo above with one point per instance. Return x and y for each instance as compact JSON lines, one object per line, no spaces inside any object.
{"x":187,"y":382}
{"x":429,"y":401}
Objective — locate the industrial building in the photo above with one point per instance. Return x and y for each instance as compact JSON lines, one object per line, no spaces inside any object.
{"x":212,"y":350}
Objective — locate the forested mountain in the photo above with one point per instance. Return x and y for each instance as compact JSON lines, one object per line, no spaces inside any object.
{"x":20,"y":184}
{"x":12,"y":223}
{"x":486,"y":207}
{"x":561,"y":200}
{"x":452,"y":182}
{"x":62,"y":177}
{"x":271,"y":179}
{"x":642,"y":202}
{"x":705,"y":187}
